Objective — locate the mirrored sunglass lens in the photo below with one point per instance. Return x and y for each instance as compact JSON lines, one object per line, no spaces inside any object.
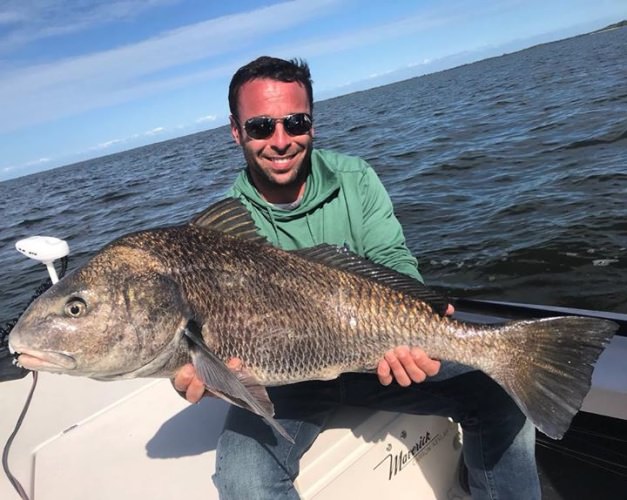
{"x":259,"y":127}
{"x":262,"y":127}
{"x":297,"y":124}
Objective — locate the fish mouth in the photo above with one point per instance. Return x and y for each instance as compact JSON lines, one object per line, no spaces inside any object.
{"x":46,"y":361}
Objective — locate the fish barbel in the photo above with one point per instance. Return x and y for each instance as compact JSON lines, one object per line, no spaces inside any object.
{"x":213,"y":289}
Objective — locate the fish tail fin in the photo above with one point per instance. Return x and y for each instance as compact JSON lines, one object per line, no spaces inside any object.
{"x":550,"y":369}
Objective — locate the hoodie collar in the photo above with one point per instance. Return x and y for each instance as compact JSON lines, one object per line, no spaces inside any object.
{"x":321,"y":184}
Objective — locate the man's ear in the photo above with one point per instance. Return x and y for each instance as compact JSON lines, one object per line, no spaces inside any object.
{"x":235,"y":132}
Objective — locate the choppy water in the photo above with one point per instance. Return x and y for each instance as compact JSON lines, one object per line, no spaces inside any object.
{"x":509,"y":176}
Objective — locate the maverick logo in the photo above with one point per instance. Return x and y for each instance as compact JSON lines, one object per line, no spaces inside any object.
{"x":396,"y":462}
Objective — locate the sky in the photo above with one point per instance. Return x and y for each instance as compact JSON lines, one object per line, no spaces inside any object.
{"x":81,"y":79}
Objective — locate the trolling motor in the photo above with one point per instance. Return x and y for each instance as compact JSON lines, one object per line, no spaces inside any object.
{"x":46,"y":250}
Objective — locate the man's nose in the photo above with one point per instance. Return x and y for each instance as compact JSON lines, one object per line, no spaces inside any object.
{"x":280,"y":139}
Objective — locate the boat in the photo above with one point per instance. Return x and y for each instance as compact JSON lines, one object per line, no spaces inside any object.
{"x":138,"y":439}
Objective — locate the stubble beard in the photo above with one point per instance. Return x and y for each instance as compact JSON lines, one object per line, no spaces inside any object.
{"x":267,"y":179}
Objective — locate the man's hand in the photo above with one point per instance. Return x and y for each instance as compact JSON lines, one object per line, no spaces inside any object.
{"x":187,"y":383}
{"x":407,"y":365}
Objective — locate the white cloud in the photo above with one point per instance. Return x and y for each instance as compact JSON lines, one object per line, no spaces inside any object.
{"x":41,"y":19}
{"x":208,"y":118}
{"x":28,"y":164}
{"x":106,"y":144}
{"x":372,"y":35}
{"x":10,"y":17}
{"x":131,"y":138}
{"x":154,"y":131}
{"x":44,"y":92}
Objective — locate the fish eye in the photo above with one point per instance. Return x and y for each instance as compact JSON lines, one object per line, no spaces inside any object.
{"x":75,"y":307}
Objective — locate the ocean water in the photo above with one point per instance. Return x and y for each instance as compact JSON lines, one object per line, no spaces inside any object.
{"x":509,"y":176}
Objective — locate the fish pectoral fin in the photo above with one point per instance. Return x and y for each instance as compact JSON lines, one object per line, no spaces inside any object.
{"x":257,"y":391}
{"x":238,"y":388}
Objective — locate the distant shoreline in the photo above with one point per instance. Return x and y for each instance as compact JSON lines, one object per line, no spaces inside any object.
{"x":610,"y":27}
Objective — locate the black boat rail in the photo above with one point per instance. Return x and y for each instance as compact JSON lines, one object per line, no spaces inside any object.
{"x":492,"y":311}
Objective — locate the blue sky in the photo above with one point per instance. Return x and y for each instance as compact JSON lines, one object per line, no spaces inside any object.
{"x":81,"y":79}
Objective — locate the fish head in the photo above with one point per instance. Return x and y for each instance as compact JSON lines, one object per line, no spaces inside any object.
{"x":117,"y":317}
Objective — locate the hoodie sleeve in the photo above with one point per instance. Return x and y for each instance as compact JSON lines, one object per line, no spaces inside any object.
{"x":383,"y":238}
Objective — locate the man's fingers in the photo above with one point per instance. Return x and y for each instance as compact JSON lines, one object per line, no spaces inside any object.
{"x":428,"y":366}
{"x":195,"y":390}
{"x":234,"y":364}
{"x":409,"y":366}
{"x":384,"y":373}
{"x":186,"y":382}
{"x":406,"y":366}
{"x":396,"y":360}
{"x":183,"y":377}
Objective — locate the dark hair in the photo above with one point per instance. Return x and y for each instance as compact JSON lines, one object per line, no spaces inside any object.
{"x":272,"y":68}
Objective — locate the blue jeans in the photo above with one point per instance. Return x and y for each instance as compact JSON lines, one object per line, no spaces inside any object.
{"x":252,"y":462}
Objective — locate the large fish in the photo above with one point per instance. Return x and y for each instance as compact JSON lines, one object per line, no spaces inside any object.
{"x":213,"y":289}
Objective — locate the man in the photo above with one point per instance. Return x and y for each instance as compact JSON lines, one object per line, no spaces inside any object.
{"x":299,"y":197}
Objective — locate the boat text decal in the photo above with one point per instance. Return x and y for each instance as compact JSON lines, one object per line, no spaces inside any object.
{"x":395,"y":462}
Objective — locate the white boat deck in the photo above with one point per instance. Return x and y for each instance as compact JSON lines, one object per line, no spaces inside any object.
{"x":138,"y":439}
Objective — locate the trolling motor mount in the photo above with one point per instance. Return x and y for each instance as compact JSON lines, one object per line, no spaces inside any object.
{"x":44,"y":249}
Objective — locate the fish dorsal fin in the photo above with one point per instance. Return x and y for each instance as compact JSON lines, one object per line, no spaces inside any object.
{"x":229,"y":216}
{"x":340,"y":257}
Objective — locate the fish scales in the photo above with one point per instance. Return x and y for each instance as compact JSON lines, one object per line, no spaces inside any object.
{"x":325,"y":316}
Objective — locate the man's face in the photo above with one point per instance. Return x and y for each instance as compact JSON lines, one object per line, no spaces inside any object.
{"x":277,"y":163}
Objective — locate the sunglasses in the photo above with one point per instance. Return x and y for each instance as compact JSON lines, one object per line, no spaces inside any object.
{"x":262,"y":127}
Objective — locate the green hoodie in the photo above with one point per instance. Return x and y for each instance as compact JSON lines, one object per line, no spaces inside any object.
{"x":344,"y":203}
